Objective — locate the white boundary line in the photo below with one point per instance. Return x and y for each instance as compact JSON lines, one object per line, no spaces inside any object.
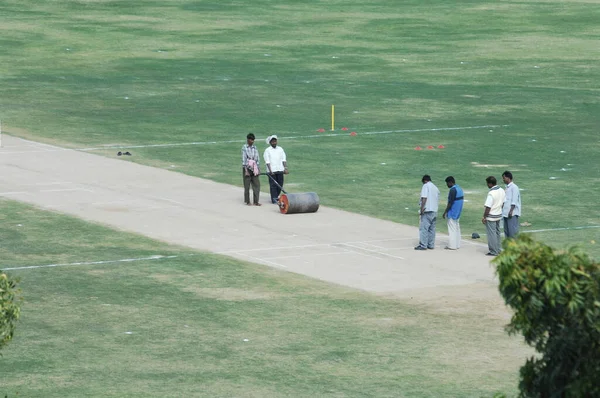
{"x":551,"y":229}
{"x":54,"y":148}
{"x":291,"y":137}
{"x":124,"y":260}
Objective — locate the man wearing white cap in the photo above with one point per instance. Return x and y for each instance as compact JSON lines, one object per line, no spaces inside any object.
{"x":276,"y":162}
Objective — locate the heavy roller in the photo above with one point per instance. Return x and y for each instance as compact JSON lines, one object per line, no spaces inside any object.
{"x":293,"y":203}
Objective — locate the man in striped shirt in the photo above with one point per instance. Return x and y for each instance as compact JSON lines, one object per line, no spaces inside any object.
{"x":250,"y":171}
{"x":492,"y":215}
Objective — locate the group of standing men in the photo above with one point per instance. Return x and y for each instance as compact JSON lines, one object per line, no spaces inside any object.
{"x":500,"y":206}
{"x":276,"y":162}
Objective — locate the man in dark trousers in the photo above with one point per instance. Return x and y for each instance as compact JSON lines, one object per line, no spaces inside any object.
{"x":250,"y":171}
{"x":276,"y":162}
{"x":511,"y":211}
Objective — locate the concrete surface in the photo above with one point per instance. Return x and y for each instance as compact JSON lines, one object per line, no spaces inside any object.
{"x":331,"y":245}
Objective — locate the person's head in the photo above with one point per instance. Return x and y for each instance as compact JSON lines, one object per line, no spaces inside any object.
{"x":425,"y":179}
{"x":272,"y":140}
{"x":450,"y":182}
{"x":491,"y":181}
{"x":507,"y":177}
{"x":250,"y":139}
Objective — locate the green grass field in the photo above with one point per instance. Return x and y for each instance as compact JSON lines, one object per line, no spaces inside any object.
{"x":176,"y":326}
{"x":87,"y":74}
{"x":182,"y":74}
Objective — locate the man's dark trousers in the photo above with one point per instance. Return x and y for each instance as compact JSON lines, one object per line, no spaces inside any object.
{"x":275,"y":190}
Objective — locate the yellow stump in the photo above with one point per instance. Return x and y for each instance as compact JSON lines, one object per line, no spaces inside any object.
{"x":332,"y":117}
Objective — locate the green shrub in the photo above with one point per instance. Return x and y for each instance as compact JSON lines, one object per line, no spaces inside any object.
{"x":555,"y":296}
{"x":9,"y":308}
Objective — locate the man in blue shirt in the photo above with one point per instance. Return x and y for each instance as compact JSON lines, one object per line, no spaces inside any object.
{"x":453,"y":211}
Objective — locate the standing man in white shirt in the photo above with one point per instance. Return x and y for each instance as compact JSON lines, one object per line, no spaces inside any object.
{"x":492,"y":215}
{"x":276,"y":162}
{"x":430,"y":195}
{"x":512,"y":206}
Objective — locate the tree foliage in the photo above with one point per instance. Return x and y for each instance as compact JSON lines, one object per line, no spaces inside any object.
{"x":9,"y":308}
{"x":555,"y":296}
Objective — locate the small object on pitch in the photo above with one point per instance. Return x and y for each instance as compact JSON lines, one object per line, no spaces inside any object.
{"x":430,"y":147}
{"x":353,"y":134}
{"x":321,"y":130}
{"x":246,"y":340}
{"x":418,"y":148}
{"x":119,"y":153}
{"x":475,"y":235}
{"x":344,"y":128}
{"x":127,"y":153}
{"x":441,"y":146}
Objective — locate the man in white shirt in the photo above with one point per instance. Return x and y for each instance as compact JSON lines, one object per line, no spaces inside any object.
{"x":512,"y":206}
{"x":276,"y":162}
{"x":430,"y":195}
{"x":492,"y":215}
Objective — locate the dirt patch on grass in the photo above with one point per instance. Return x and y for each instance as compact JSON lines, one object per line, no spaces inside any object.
{"x":477,"y":164}
{"x":479,"y":298}
{"x":228,"y":293}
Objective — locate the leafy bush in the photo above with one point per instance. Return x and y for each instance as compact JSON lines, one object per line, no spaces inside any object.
{"x":9,"y":308}
{"x":555,"y":296}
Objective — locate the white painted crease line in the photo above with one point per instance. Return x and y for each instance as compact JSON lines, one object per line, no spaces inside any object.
{"x":332,"y":244}
{"x":66,"y":190}
{"x":374,"y":251}
{"x":124,"y":260}
{"x":13,"y":193}
{"x":370,"y":244}
{"x":37,"y":184}
{"x":271,"y":249}
{"x":259,"y":259}
{"x":313,"y":255}
{"x":167,"y":200}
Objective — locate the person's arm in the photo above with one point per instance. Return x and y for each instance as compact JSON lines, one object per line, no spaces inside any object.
{"x":423,"y":201}
{"x":513,"y":201}
{"x":245,"y":162}
{"x":244,"y":157}
{"x":487,"y":207}
{"x":451,"y":199}
{"x":284,"y":161}
{"x":486,"y":211}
